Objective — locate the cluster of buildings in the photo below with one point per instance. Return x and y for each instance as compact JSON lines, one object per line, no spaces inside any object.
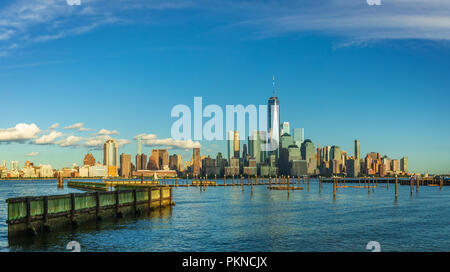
{"x":28,"y":171}
{"x":292,"y":155}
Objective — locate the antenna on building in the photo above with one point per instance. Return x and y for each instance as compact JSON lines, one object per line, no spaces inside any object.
{"x":273,"y":83}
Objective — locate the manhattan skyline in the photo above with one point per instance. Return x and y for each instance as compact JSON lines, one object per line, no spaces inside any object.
{"x":339,"y":83}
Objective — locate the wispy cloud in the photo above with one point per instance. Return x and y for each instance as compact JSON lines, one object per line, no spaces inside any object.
{"x":107,"y":132}
{"x":79,"y":127}
{"x":29,"y":21}
{"x":97,"y":142}
{"x":169,"y":143}
{"x":32,"y":154}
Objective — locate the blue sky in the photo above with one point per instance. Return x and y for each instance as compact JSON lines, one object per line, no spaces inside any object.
{"x":343,"y":70}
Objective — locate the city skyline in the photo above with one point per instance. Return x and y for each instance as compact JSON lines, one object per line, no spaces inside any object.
{"x":339,"y":82}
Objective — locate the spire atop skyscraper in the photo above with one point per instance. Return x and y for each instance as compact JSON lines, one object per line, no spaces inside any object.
{"x":273,"y":83}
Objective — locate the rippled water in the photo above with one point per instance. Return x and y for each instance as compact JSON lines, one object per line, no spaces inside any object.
{"x":227,"y":219}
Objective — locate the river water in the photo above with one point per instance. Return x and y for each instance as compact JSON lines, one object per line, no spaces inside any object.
{"x":227,"y":219}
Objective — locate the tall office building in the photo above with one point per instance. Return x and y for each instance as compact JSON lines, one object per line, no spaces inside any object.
{"x":244,"y":151}
{"x":285,"y":128}
{"x":125,"y":165}
{"x":230,"y":139}
{"x":196,"y":159}
{"x":404,"y":164}
{"x":14,"y":165}
{"x":153,"y":161}
{"x":357,"y":150}
{"x":236,"y":145}
{"x":273,"y":112}
{"x":111,"y":157}
{"x":308,"y":154}
{"x":163,"y":159}
{"x":141,"y":162}
{"x":175,"y":162}
{"x":299,"y":136}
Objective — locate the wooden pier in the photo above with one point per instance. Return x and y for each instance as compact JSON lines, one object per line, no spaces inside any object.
{"x":34,"y":215}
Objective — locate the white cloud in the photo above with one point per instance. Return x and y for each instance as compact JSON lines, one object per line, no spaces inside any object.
{"x":32,"y":154}
{"x":79,"y":127}
{"x":48,"y":139}
{"x":75,"y":126}
{"x":20,"y":133}
{"x":54,"y":126}
{"x":70,"y":141}
{"x":107,"y":132}
{"x":152,"y":140}
{"x":97,"y":142}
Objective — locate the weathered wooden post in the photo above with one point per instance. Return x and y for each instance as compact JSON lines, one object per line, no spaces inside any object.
{"x":417,"y":184}
{"x":441,"y":183}
{"x":334,"y":188}
{"x":396,"y":187}
{"x":233,"y":179}
{"x":373,"y":184}
{"x":142,"y":178}
{"x":303,"y":179}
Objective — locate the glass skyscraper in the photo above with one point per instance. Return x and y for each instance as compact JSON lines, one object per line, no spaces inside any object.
{"x":273,"y":112}
{"x":299,"y":136}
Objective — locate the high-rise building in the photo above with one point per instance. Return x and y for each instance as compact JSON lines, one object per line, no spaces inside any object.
{"x":357,"y":150}
{"x":285,"y":128}
{"x":89,"y":160}
{"x":308,"y":154}
{"x":230,"y":141}
{"x":236,"y":145}
{"x":299,"y":136}
{"x":395,"y":165}
{"x":163,"y":159}
{"x":125,"y":165}
{"x":244,"y":151}
{"x":175,"y":162}
{"x":404,"y":164}
{"x":141,"y":162}
{"x":273,"y":112}
{"x":196,"y":159}
{"x":153,"y":161}
{"x":111,"y":157}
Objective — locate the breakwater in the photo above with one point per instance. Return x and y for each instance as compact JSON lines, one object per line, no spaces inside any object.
{"x":34,"y":215}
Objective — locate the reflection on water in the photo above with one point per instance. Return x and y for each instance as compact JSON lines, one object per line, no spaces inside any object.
{"x":228,"y":219}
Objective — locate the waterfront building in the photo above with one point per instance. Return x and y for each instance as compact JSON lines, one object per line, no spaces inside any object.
{"x":45,"y":171}
{"x":154,"y":160}
{"x":404,"y":164}
{"x":234,"y":168}
{"x":196,"y":162}
{"x":98,"y":171}
{"x":395,"y":166}
{"x":352,"y":167}
{"x":111,"y":157}
{"x":175,"y":162}
{"x":273,"y":112}
{"x":89,"y":159}
{"x":163,"y":159}
{"x":244,"y":152}
{"x":308,"y":154}
{"x":83,"y":172}
{"x":299,"y":168}
{"x":125,"y":165}
{"x":141,"y":162}
{"x":236,"y":145}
